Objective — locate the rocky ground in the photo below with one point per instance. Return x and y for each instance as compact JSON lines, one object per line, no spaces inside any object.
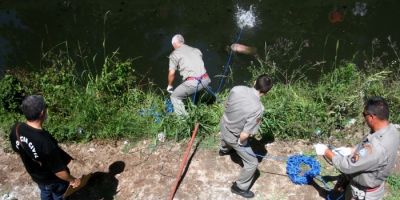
{"x":148,"y":171}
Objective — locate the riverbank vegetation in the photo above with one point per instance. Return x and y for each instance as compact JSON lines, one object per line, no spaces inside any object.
{"x":117,"y":103}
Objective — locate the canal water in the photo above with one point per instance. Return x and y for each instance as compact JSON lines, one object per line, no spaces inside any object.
{"x":322,"y":31}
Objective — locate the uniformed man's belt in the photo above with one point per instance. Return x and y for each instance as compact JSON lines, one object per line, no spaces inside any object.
{"x":372,"y":189}
{"x":197,"y":78}
{"x":366,"y":189}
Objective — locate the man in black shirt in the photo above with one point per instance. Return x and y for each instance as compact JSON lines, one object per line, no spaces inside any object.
{"x":44,"y":160}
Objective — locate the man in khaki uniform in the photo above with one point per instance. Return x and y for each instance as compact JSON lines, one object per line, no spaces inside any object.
{"x":372,"y":160}
{"x":189,"y":62}
{"x":241,"y":119}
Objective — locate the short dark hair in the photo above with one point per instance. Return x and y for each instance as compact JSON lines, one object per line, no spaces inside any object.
{"x":263,"y":83}
{"x":377,"y":106}
{"x":32,"y":106}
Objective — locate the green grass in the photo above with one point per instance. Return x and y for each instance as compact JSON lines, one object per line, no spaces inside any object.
{"x":394,"y":183}
{"x":115,"y":103}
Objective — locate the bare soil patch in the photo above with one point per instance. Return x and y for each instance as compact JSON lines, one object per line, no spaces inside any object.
{"x":148,"y":171}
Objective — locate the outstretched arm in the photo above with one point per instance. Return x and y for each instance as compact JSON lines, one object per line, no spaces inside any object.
{"x":171,"y":77}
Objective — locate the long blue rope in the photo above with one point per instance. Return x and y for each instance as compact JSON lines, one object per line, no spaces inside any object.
{"x":297,"y":162}
{"x":208,"y":88}
{"x":228,"y":62}
{"x":197,"y":87}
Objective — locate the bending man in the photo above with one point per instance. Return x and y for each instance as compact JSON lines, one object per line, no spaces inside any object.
{"x":371,"y":161}
{"x":189,"y":62}
{"x":241,"y":119}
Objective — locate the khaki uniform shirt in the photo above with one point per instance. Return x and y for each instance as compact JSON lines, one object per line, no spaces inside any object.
{"x":243,"y":111}
{"x":188,"y":61}
{"x":373,"y":159}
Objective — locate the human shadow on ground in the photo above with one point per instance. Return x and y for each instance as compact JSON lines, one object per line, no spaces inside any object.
{"x":101,"y":185}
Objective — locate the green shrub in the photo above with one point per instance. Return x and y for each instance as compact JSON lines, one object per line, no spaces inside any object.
{"x":111,"y":104}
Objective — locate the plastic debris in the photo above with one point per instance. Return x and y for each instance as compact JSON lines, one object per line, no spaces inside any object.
{"x":161,"y":137}
{"x":318,"y":131}
{"x":79,"y":131}
{"x":350,"y":123}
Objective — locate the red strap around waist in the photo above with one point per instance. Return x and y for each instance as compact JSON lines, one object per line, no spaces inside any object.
{"x":372,"y":189}
{"x":197,"y":78}
{"x":367,"y":189}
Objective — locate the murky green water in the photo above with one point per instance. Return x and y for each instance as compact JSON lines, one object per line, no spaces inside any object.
{"x":143,"y":30}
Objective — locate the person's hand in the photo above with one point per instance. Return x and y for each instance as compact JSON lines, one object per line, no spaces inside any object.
{"x":242,"y":144}
{"x":320,"y":149}
{"x":344,"y":151}
{"x":75,"y":183}
{"x":170,"y":89}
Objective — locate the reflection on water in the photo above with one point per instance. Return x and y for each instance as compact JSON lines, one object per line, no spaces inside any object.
{"x":8,"y":20}
{"x":143,"y":30}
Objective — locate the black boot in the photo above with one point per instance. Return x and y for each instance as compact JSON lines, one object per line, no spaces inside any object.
{"x":244,"y":193}
{"x":224,"y":153}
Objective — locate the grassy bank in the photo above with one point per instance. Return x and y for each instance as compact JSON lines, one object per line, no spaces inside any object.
{"x":115,"y":103}
{"x":110,"y":105}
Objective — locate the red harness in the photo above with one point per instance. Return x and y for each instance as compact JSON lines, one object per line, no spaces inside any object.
{"x":373,"y":189}
{"x":197,"y":78}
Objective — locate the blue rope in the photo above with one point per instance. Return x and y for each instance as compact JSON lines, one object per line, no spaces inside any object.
{"x":208,"y":89}
{"x":169,"y":108}
{"x":338,"y":198}
{"x":152,"y":113}
{"x":224,"y":75}
{"x":197,"y":87}
{"x":293,"y":169}
{"x":228,"y":63}
{"x":321,"y":179}
{"x":276,"y":158}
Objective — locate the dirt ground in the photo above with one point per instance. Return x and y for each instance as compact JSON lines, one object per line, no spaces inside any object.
{"x":148,"y":171}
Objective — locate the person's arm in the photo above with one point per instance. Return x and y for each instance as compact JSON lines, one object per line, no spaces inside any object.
{"x":329,"y":154}
{"x":243,"y":138}
{"x":171,"y":77}
{"x":64,"y":175}
{"x":356,"y":162}
{"x":250,"y":128}
{"x":343,"y":151}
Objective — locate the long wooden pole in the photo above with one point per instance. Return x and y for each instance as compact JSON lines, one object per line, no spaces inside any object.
{"x":183,"y":164}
